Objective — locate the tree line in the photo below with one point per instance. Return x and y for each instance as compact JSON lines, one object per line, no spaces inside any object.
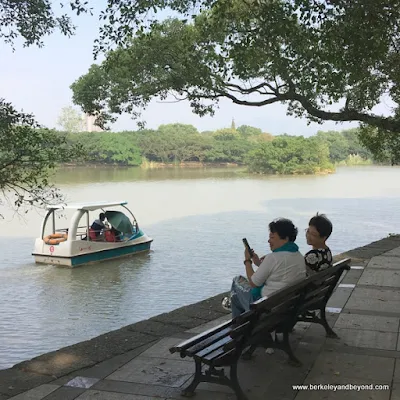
{"x":246,"y":145}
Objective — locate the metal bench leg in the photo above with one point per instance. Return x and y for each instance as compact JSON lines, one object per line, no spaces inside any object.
{"x":329,"y":332}
{"x":235,"y":383}
{"x":189,"y":391}
{"x":249,"y":352}
{"x":288,"y":350}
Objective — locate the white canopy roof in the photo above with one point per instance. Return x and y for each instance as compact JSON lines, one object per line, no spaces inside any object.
{"x":89,"y":206}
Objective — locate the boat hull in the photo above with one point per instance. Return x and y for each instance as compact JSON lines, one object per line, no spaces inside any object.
{"x":88,"y":257}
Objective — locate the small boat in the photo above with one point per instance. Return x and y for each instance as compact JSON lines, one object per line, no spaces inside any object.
{"x":80,"y":244}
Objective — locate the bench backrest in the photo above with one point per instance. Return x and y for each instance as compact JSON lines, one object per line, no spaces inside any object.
{"x":279,"y":308}
{"x":321,"y":285}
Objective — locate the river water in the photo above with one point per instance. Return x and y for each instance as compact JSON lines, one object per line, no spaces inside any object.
{"x":197,"y":218}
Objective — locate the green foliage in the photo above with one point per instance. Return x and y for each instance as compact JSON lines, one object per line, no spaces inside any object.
{"x":27,"y":155}
{"x":168,"y":145}
{"x":307,"y":54}
{"x":226,"y":134}
{"x":247,"y":131}
{"x":34,"y":19}
{"x":290,"y":155}
{"x":177,"y":129}
{"x":343,"y":144}
{"x":384,"y":145}
{"x":233,"y":150}
{"x":353,"y":160}
{"x":338,"y":145}
{"x":355,"y":146}
{"x":263,"y":153}
{"x":109,"y":148}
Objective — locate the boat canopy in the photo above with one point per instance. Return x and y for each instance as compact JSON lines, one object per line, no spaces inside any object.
{"x":87,"y":206}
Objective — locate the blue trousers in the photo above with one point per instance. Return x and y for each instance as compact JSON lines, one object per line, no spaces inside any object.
{"x":242,"y":295}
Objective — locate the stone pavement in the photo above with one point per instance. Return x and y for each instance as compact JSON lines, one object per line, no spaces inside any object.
{"x":364,"y":311}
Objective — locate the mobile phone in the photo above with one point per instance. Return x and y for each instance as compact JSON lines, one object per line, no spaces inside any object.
{"x":246,"y":244}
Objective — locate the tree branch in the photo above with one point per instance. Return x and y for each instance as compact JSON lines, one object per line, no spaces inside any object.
{"x":254,"y":89}
{"x":279,"y":97}
{"x":388,"y":123}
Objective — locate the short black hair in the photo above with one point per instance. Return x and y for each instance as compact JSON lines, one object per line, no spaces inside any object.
{"x":322,"y":224}
{"x":284,"y":228}
{"x":102,"y":216}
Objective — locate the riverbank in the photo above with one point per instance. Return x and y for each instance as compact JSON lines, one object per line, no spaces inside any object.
{"x":152,"y":164}
{"x":194,"y":165}
{"x":106,"y":353}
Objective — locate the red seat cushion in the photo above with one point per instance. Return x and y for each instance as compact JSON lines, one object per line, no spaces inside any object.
{"x":92,"y":234}
{"x":110,"y":236}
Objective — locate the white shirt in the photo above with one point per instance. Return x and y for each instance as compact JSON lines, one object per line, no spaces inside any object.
{"x":279,"y":270}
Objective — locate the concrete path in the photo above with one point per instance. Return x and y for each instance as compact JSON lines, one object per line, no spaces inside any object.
{"x":364,"y":311}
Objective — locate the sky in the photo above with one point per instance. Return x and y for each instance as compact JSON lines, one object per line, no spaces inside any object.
{"x":37,"y":80}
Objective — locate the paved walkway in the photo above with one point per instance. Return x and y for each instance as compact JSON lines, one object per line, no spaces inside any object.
{"x":365,"y":313}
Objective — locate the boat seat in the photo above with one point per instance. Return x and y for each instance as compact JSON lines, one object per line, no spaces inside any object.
{"x":92,"y":235}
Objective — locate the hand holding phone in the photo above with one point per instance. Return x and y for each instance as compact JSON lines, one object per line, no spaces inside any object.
{"x":247,"y":246}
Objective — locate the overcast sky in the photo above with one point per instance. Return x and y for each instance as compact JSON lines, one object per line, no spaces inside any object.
{"x":37,"y":80}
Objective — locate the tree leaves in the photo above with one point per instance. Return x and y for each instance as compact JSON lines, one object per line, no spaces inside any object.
{"x":33,"y":19}
{"x":307,"y":54}
{"x":28,"y":153}
{"x":291,"y":155}
{"x":26,"y":156}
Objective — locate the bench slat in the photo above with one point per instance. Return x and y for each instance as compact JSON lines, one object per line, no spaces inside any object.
{"x":309,"y":304}
{"x":271,"y":323}
{"x":279,"y":296}
{"x":327,"y":281}
{"x":198,"y":338}
{"x":190,"y":351}
{"x":317,"y":292}
{"x":215,"y":346}
{"x":283,"y":306}
{"x":218,"y":357}
{"x":240,"y":329}
{"x":216,"y":354}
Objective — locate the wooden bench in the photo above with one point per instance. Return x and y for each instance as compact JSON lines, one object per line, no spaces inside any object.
{"x":312,"y":307}
{"x":224,"y":345}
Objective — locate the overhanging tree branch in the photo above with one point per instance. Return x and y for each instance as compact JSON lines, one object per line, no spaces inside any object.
{"x":388,"y":123}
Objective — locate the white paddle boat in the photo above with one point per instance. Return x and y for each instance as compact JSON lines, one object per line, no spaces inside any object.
{"x":80,"y":243}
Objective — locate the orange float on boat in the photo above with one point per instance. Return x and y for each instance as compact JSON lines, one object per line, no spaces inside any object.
{"x":55,"y":238}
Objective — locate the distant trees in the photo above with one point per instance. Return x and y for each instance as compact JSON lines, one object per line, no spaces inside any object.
{"x":290,"y":155}
{"x":168,"y":146}
{"x":245,"y":145}
{"x":386,"y":147}
{"x":342,"y":144}
{"x":247,"y":131}
{"x":108,"y":148}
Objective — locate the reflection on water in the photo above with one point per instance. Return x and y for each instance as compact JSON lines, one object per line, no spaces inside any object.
{"x":81,"y":175}
{"x":197,"y":226}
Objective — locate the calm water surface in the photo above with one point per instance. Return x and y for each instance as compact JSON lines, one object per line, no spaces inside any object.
{"x":197,"y":218}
